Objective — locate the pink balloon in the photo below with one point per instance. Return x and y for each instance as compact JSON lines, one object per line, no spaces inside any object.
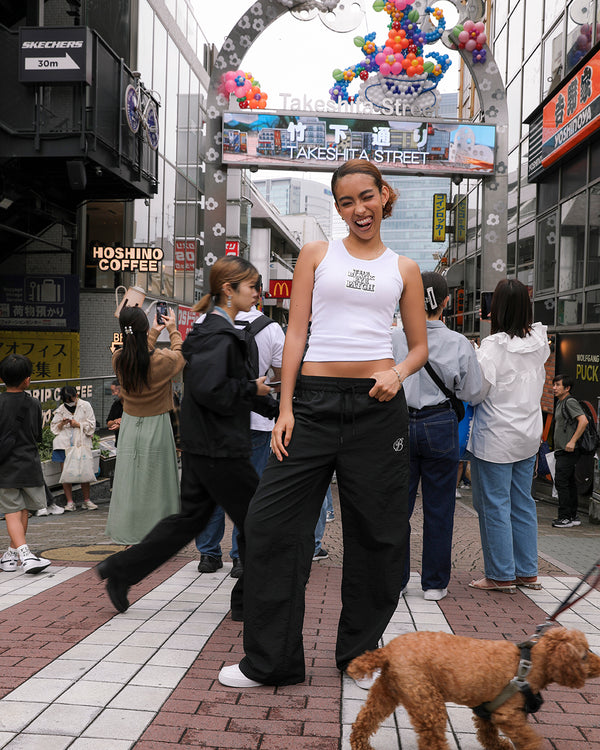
{"x":230,"y":86}
{"x":230,"y":75}
{"x":470,"y":45}
{"x":479,"y":27}
{"x":401,"y":4}
{"x":481,"y":39}
{"x":468,"y":25}
{"x":388,"y":51}
{"x":385,"y":69}
{"x":463,"y":37}
{"x":379,"y":58}
{"x":396,"y":68}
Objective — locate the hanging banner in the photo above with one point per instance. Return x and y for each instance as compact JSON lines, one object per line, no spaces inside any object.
{"x":322,"y":143}
{"x":438,"y":233}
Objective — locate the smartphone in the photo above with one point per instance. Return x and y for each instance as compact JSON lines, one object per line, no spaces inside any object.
{"x":486,"y":305}
{"x":161,"y":309}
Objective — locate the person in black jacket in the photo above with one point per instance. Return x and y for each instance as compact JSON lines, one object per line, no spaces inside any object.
{"x":219,"y":394}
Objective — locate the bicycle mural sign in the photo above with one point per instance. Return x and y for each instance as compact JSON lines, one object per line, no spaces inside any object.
{"x":141,"y":109}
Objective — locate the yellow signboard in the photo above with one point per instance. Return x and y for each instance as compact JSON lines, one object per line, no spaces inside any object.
{"x":460,"y":219}
{"x":439,"y":217}
{"x":53,"y":355}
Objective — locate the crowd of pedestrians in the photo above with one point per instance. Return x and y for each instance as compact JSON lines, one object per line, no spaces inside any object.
{"x":374,"y":407}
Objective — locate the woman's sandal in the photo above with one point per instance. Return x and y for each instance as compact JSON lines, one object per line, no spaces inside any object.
{"x":488,"y":584}
{"x":529,"y":582}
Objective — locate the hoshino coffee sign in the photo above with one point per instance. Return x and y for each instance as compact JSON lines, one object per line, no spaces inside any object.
{"x":128,"y":258}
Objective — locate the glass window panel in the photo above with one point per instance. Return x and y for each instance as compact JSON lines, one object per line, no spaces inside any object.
{"x":141,"y":218}
{"x":144,"y":51}
{"x":155,"y":230}
{"x":527,"y":195}
{"x":511,"y":256}
{"x":500,"y":52}
{"x":572,"y":243}
{"x":159,"y":75}
{"x":593,"y":261}
{"x":543,"y":311}
{"x":513,"y":188}
{"x":574,"y":174}
{"x":532,"y":71}
{"x":546,"y":252}
{"x":595,"y":160}
{"x":551,"y":11}
{"x":553,"y":60}
{"x":547,"y":191}
{"x":168,"y":238}
{"x":569,"y":310}
{"x":579,"y":31}
{"x":592,"y":306}
{"x":533,"y":20}
{"x":515,"y":34}
{"x":513,"y":102}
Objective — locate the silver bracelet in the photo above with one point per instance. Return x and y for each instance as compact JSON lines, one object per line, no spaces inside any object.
{"x":400,"y":381}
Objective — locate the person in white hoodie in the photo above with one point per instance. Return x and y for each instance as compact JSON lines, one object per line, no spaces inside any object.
{"x":505,"y":438}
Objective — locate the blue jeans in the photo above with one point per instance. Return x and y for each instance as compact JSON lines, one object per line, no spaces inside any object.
{"x":434,"y":462}
{"x":321,"y":523}
{"x":507,"y":517}
{"x":208,"y":541}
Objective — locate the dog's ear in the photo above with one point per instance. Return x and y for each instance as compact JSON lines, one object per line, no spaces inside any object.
{"x":566,"y":652}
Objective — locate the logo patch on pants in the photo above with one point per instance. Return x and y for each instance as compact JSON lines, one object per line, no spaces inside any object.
{"x":399,"y":445}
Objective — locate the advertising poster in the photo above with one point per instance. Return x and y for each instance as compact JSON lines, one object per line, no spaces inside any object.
{"x":41,"y":302}
{"x":54,"y":355}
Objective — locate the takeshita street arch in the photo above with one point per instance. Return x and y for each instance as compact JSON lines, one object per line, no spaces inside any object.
{"x":483,"y":69}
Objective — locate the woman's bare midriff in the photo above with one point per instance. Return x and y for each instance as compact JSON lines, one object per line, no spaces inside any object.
{"x":346,"y":369}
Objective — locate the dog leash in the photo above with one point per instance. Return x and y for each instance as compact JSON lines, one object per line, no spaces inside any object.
{"x":533,"y":701}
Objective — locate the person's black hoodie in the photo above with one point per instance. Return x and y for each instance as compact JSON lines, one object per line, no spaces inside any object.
{"x":219,"y":391}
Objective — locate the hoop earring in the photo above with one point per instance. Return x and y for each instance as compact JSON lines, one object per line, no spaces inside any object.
{"x":229,"y":300}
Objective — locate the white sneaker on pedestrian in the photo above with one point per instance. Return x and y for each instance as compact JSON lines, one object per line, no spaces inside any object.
{"x":70,"y":506}
{"x":9,"y":561}
{"x":55,"y":510}
{"x":366,"y":683}
{"x":31,"y":563}
{"x":89,"y":505}
{"x":233,"y":676}
{"x":434,"y":595}
{"x":458,"y":493}
{"x":42,"y":512}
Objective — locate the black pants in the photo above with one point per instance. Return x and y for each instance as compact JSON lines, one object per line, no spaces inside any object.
{"x":337,"y":427}
{"x":564,"y":481}
{"x":205,"y":483}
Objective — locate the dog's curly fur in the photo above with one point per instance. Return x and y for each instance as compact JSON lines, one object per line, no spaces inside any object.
{"x":423,"y":671}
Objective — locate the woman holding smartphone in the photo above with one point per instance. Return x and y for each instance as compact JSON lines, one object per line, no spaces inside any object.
{"x":342,"y":410}
{"x":146,"y":482}
{"x":219,"y":394}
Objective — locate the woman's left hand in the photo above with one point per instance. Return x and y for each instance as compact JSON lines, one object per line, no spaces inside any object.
{"x":386,"y":385}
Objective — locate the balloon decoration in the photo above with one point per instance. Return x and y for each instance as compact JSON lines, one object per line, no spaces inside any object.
{"x":471,"y":36}
{"x":245,"y":88}
{"x":398,"y":69}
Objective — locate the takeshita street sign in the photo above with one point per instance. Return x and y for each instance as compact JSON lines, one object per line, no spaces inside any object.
{"x":280,"y":140}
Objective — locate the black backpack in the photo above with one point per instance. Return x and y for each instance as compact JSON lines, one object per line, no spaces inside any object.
{"x":589,"y":442}
{"x":250,"y":330}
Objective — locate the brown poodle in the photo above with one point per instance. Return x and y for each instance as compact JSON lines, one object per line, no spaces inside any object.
{"x":422,"y":671}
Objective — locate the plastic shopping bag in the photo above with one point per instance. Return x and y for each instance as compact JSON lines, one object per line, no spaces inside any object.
{"x":78,"y":466}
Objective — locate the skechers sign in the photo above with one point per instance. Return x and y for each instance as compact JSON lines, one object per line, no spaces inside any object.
{"x":55,"y":54}
{"x":144,"y":259}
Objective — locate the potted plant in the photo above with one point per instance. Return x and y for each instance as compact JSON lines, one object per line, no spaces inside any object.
{"x":107,"y":463}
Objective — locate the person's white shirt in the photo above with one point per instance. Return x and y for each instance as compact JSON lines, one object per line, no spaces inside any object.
{"x":270,"y":350}
{"x":507,"y":425}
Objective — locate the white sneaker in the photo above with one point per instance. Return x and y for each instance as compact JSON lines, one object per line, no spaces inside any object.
{"x":31,"y":563}
{"x":233,"y":676}
{"x":366,"y":683}
{"x":70,"y":506}
{"x":89,"y":505}
{"x":55,"y":510}
{"x":458,"y":493}
{"x":9,"y":561}
{"x":42,"y":512}
{"x":434,"y":595}
{"x":404,"y":591}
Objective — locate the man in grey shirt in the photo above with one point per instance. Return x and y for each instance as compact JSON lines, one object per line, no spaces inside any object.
{"x":434,"y":451}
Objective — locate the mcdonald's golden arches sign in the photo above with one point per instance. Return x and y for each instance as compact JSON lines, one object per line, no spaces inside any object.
{"x":280,"y":288}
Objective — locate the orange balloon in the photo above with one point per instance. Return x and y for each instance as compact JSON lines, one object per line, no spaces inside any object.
{"x":262,"y":104}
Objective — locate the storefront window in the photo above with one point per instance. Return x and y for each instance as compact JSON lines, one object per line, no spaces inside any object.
{"x":592,"y":306}
{"x":574,"y":174}
{"x":569,"y":310}
{"x":593,"y":259}
{"x":572,"y":243}
{"x":579,"y":31}
{"x":511,"y":256}
{"x":543,"y":311}
{"x":546,"y":252}
{"x":528,"y":190}
{"x":548,"y":191}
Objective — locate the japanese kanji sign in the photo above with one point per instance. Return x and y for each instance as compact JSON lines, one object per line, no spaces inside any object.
{"x":572,"y":114}
{"x":40,"y":302}
{"x":53,"y":355}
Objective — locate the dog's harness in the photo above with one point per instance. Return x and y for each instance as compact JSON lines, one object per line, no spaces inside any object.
{"x":518,"y":684}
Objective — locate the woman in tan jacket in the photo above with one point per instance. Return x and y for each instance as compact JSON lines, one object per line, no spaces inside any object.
{"x":146,"y":482}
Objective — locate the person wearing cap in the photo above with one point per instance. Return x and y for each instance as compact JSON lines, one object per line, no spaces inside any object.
{"x":433,"y":425}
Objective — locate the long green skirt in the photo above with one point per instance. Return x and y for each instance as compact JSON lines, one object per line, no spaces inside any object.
{"x":146,"y":483}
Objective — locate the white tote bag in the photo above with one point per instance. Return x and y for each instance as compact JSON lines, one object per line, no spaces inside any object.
{"x":78,"y":467}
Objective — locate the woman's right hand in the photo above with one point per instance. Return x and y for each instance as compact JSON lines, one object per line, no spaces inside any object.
{"x":282,"y":434}
{"x":261,"y":388}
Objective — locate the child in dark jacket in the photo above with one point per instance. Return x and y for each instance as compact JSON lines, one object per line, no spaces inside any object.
{"x":219,"y":393}
{"x":21,"y":480}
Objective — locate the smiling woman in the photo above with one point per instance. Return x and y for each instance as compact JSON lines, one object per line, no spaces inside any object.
{"x":342,"y":408}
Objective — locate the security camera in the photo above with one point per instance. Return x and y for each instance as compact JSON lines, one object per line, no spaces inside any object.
{"x":457,"y":179}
